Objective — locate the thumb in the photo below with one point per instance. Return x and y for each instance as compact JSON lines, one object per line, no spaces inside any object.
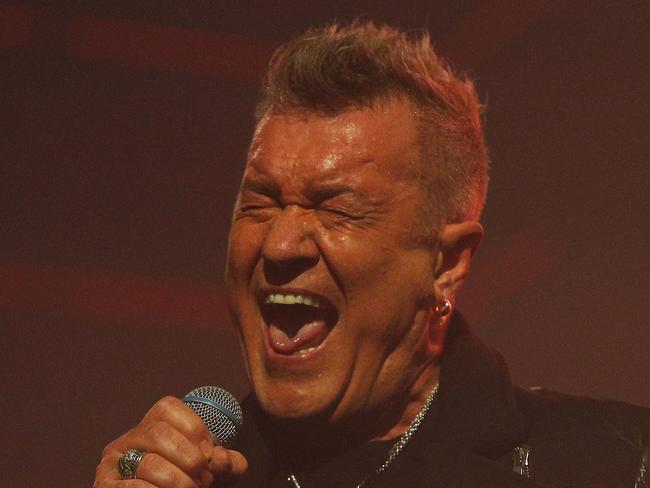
{"x":227,"y":464}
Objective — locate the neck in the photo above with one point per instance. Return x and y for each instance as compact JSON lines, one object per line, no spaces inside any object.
{"x":399,"y":419}
{"x":314,"y":440}
{"x":391,"y":454}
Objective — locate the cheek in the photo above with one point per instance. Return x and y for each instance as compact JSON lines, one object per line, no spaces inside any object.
{"x":356,"y":260}
{"x":385,"y":289}
{"x":244,"y":248}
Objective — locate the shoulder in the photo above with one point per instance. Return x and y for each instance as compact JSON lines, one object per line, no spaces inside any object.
{"x":584,"y":438}
{"x":561,"y":412}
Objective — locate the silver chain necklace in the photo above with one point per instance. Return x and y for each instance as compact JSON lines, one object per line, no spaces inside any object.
{"x":396,"y":448}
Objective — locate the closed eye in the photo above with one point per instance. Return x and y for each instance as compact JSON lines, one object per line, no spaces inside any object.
{"x":337,"y":212}
{"x":249,"y":208}
{"x":256,"y":206}
{"x":341,"y":213}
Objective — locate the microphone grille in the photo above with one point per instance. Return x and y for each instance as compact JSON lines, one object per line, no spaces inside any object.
{"x":219,"y":411}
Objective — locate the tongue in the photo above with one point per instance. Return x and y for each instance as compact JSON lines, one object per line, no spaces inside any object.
{"x":309,"y":335}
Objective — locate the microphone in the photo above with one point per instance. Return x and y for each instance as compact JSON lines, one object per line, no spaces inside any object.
{"x":219,"y":411}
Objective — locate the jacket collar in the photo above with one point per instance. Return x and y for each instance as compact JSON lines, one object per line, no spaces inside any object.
{"x":475,"y":413}
{"x":476,"y":408}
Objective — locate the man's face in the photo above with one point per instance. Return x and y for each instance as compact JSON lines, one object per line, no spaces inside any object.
{"x":329,"y":291}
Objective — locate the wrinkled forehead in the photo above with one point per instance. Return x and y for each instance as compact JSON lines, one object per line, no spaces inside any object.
{"x":383,"y":135}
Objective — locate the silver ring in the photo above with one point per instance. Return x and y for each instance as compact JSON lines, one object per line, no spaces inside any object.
{"x":127,"y":465}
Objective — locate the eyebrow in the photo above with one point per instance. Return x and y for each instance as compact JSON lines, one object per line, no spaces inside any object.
{"x":319,"y":192}
{"x":260,"y":186}
{"x":322,"y":191}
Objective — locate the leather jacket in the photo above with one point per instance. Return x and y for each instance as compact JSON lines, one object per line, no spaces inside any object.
{"x":484,"y":432}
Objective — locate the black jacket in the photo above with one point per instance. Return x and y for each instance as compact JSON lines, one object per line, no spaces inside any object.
{"x":483,"y":432}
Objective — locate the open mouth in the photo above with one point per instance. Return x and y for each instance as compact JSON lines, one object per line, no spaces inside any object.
{"x":298,"y":323}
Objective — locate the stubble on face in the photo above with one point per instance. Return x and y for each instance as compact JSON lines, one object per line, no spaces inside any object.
{"x":325,"y":211}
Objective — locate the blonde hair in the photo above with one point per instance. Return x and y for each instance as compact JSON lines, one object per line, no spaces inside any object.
{"x":334,"y":68}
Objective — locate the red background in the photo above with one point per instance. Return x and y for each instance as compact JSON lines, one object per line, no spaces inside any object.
{"x":124,"y":127}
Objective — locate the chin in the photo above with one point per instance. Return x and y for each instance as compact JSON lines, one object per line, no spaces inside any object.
{"x":288,"y":402}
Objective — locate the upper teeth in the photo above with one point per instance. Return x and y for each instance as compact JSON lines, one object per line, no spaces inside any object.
{"x":291,"y":299}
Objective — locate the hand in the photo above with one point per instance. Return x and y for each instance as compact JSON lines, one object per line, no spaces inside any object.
{"x":179,"y":452}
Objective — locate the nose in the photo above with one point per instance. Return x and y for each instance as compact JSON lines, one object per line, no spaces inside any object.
{"x":289,"y":248}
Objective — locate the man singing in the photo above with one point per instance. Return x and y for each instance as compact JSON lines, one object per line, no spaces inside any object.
{"x":353,"y":231}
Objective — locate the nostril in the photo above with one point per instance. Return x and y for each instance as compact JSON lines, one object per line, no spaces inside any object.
{"x":283,"y":271}
{"x":290,"y":236}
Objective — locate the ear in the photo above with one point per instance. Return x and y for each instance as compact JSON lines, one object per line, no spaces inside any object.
{"x":457,"y":243}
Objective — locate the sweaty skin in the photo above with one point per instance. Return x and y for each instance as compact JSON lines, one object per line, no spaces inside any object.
{"x":326,"y":209}
{"x":334,"y":300}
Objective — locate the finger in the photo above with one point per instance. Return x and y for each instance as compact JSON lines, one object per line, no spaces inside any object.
{"x":227,"y":464}
{"x":107,"y":476}
{"x":164,"y":440}
{"x":109,"y":483}
{"x":174,"y":412}
{"x":152,"y":470}
{"x":161,"y":473}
